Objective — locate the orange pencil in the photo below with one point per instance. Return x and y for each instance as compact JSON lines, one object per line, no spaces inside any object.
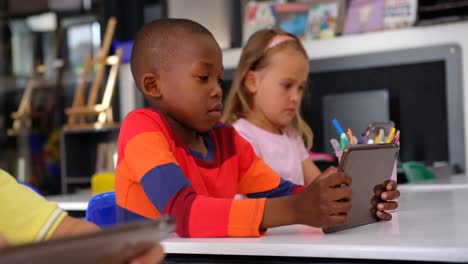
{"x":378,"y":139}
{"x":351,"y":138}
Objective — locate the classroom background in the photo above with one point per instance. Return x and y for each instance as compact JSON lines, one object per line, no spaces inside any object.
{"x":66,"y":84}
{"x":382,"y":60}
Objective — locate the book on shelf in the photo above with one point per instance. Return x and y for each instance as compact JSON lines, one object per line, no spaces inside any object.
{"x":400,"y":13}
{"x":364,"y":16}
{"x":292,"y":17}
{"x":325,"y":19}
{"x":258,"y":15}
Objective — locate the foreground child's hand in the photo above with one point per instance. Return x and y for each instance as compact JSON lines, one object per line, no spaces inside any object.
{"x":385,"y":194}
{"x":3,"y":242}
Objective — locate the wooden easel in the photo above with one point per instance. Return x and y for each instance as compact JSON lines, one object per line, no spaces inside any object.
{"x":80,"y":112}
{"x":38,"y":101}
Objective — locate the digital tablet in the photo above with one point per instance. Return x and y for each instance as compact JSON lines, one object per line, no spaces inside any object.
{"x":368,"y":166}
{"x":112,"y":245}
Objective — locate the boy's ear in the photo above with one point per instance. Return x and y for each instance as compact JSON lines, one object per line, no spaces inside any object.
{"x":150,"y":86}
{"x":250,"y":82}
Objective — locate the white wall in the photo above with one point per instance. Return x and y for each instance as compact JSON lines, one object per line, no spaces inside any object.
{"x":130,"y":97}
{"x":213,"y":14}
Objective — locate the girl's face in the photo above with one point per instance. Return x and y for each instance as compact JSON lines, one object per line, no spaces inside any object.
{"x":277,"y":89}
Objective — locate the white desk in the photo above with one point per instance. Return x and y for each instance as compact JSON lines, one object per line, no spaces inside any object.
{"x":71,"y":202}
{"x":79,"y":202}
{"x":454,"y":182}
{"x":429,"y":226}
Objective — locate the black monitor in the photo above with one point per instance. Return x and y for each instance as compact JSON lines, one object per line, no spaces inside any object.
{"x":353,"y":110}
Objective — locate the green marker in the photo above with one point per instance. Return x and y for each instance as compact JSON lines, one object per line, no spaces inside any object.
{"x":343,"y":140}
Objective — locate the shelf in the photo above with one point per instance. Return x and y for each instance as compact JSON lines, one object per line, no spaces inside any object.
{"x":78,"y":180}
{"x":86,"y":129}
{"x":379,"y":41}
{"x":78,"y":154}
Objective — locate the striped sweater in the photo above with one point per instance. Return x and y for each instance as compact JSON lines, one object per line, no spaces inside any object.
{"x":157,"y":174}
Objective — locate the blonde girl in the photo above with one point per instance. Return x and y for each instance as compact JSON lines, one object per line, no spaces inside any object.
{"x":264,"y":101}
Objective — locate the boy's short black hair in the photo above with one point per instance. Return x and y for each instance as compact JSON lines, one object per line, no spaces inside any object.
{"x":157,"y":42}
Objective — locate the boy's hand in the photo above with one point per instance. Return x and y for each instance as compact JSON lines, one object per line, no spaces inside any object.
{"x":385,"y":194}
{"x":326,"y":201}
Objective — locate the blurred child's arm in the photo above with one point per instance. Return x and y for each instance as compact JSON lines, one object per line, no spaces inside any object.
{"x":3,"y":242}
{"x":70,"y":226}
{"x":311,"y":171}
{"x":31,"y":217}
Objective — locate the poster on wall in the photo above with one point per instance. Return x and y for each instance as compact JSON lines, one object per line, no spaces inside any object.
{"x":364,"y":16}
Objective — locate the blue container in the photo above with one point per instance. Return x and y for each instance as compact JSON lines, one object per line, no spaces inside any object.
{"x":101,"y":210}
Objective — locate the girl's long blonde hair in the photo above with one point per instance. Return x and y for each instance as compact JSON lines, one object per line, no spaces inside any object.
{"x":255,"y":56}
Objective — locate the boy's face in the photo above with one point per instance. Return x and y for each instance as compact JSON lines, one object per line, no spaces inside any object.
{"x":190,"y":88}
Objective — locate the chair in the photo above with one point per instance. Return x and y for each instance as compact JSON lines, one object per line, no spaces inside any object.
{"x":417,"y":172}
{"x":102,"y":210}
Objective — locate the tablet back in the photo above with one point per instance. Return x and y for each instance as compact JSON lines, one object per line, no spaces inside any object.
{"x":368,"y":166}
